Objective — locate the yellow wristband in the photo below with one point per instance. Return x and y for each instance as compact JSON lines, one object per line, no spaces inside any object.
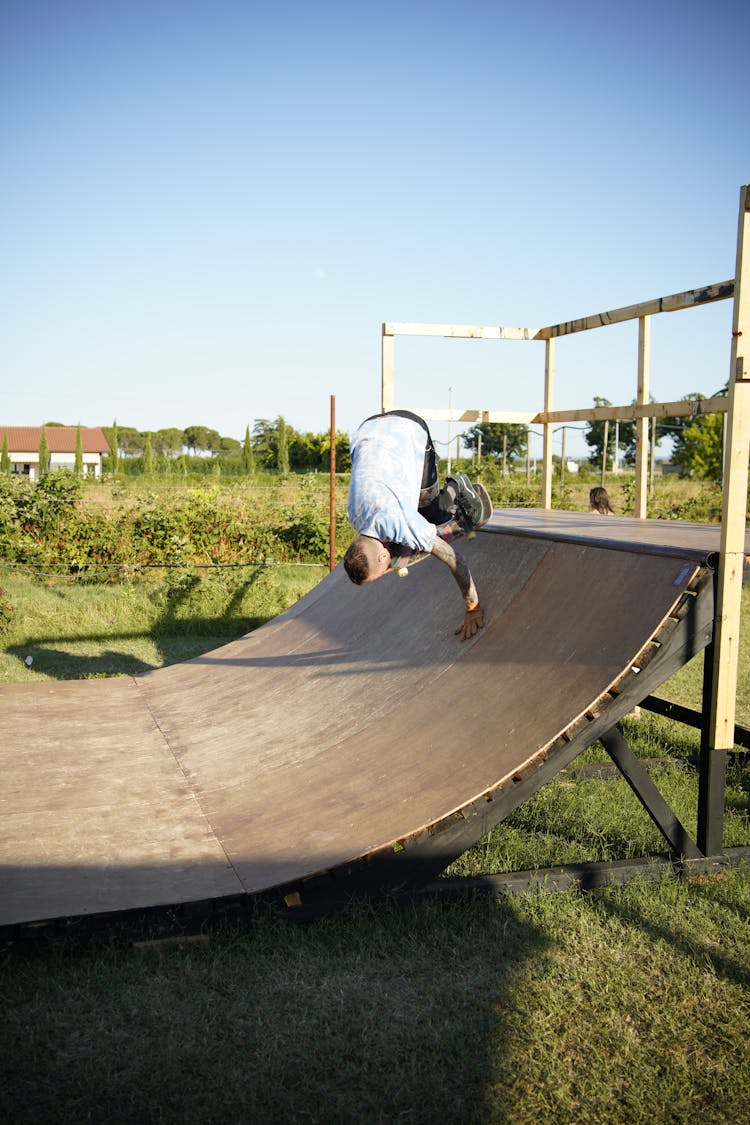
{"x":472,"y":605}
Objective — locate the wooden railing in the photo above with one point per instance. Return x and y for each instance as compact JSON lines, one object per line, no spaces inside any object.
{"x":736,"y":406}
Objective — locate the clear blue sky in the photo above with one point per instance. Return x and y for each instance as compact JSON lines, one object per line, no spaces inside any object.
{"x":208,"y":209}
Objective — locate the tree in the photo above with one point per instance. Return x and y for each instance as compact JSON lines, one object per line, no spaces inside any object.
{"x":197,"y":439}
{"x":44,"y":457}
{"x":131,"y":441}
{"x":202,"y":439}
{"x":262,"y":442}
{"x":699,"y":451}
{"x":678,"y":426}
{"x":114,"y":451}
{"x":148,"y":457}
{"x":271,"y":441}
{"x":282,"y":446}
{"x":306,"y":451}
{"x":499,"y":439}
{"x":594,"y":436}
{"x":168,"y":442}
{"x":248,"y":457}
{"x":78,"y":462}
{"x":229,"y":446}
{"x":5,"y":458}
{"x":323,"y":451}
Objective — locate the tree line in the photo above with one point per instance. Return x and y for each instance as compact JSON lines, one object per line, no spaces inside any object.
{"x":268,"y":446}
{"x":275,"y":446}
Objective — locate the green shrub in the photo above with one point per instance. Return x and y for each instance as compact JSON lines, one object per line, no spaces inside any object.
{"x":7,"y":612}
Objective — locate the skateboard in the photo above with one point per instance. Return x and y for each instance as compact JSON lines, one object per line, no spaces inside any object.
{"x":456,"y":528}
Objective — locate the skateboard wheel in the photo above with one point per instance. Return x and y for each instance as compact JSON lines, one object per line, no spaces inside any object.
{"x":471,"y":534}
{"x":403,"y":571}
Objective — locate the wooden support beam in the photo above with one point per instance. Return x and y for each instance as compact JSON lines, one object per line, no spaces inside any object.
{"x":673,"y":303}
{"x":712,"y":769}
{"x":387,"y":372}
{"x":639,"y":780}
{"x":462,"y":331}
{"x":549,"y":390}
{"x":731,"y":551}
{"x":682,"y":409}
{"x":585,"y":876}
{"x":641,"y":425}
{"x":444,"y":414}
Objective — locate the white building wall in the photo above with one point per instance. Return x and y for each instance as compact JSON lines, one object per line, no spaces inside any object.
{"x":27,"y":463}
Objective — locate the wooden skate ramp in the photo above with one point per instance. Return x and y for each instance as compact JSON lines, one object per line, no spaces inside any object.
{"x":353,"y":741}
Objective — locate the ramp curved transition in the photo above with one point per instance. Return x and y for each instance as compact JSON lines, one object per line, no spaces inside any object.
{"x":353,"y":742}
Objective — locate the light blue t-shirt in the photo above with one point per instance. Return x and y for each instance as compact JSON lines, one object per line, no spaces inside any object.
{"x":387,"y":465}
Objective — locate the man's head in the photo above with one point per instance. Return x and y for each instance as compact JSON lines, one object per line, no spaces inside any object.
{"x":366,"y":560}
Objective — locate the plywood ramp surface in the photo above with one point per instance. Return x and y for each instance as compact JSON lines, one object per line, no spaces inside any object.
{"x":351,"y":721}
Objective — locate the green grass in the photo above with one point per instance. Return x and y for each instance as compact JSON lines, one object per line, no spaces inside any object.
{"x":622,"y":1006}
{"x":74,"y":631}
{"x":625,"y":1005}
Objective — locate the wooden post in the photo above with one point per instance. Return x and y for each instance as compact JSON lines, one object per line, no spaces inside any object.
{"x":616,"y":460}
{"x":332,"y":495}
{"x":641,"y":424}
{"x":549,"y":390}
{"x":604,"y":452}
{"x":562,"y":459}
{"x":652,"y":459}
{"x":387,"y":373}
{"x":731,"y":552}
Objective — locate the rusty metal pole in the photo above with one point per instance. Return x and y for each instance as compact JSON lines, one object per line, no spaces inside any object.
{"x":332,"y":501}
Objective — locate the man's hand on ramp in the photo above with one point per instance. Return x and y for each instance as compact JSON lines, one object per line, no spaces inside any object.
{"x":473,"y":621}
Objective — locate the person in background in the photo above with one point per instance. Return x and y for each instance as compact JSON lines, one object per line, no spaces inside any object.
{"x":599,"y":501}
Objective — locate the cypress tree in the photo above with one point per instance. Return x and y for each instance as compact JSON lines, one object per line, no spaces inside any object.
{"x":148,"y":458}
{"x":114,"y":451}
{"x":282,"y":446}
{"x":78,"y":463}
{"x":5,"y":458}
{"x":248,"y":457}
{"x":43,"y":454}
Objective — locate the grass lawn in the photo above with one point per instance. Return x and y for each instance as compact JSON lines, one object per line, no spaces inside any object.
{"x":624,"y":1005}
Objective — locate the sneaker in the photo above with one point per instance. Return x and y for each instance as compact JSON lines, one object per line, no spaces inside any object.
{"x":467,"y":498}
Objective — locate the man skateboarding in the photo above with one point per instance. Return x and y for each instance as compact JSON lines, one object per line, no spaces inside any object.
{"x":398,"y":508}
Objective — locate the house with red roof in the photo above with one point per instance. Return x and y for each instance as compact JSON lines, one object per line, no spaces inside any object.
{"x":23,"y":448}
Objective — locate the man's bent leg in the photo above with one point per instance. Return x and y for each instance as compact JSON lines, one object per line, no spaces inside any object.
{"x":436,"y":504}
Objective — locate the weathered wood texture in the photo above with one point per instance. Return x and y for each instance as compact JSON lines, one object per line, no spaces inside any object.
{"x":737,"y":451}
{"x":352,"y":721}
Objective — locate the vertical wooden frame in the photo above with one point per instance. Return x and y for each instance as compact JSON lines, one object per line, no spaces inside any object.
{"x":549,"y":391}
{"x":387,"y":372}
{"x":332,"y":490}
{"x":731,"y":557}
{"x":641,"y":424}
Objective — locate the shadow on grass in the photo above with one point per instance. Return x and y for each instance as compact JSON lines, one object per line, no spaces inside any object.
{"x":686,"y":928}
{"x":175,"y":635}
{"x":378,"y":1015}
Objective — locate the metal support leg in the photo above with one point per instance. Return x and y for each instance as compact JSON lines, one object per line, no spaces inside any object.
{"x":639,"y":780}
{"x":712,"y":773}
